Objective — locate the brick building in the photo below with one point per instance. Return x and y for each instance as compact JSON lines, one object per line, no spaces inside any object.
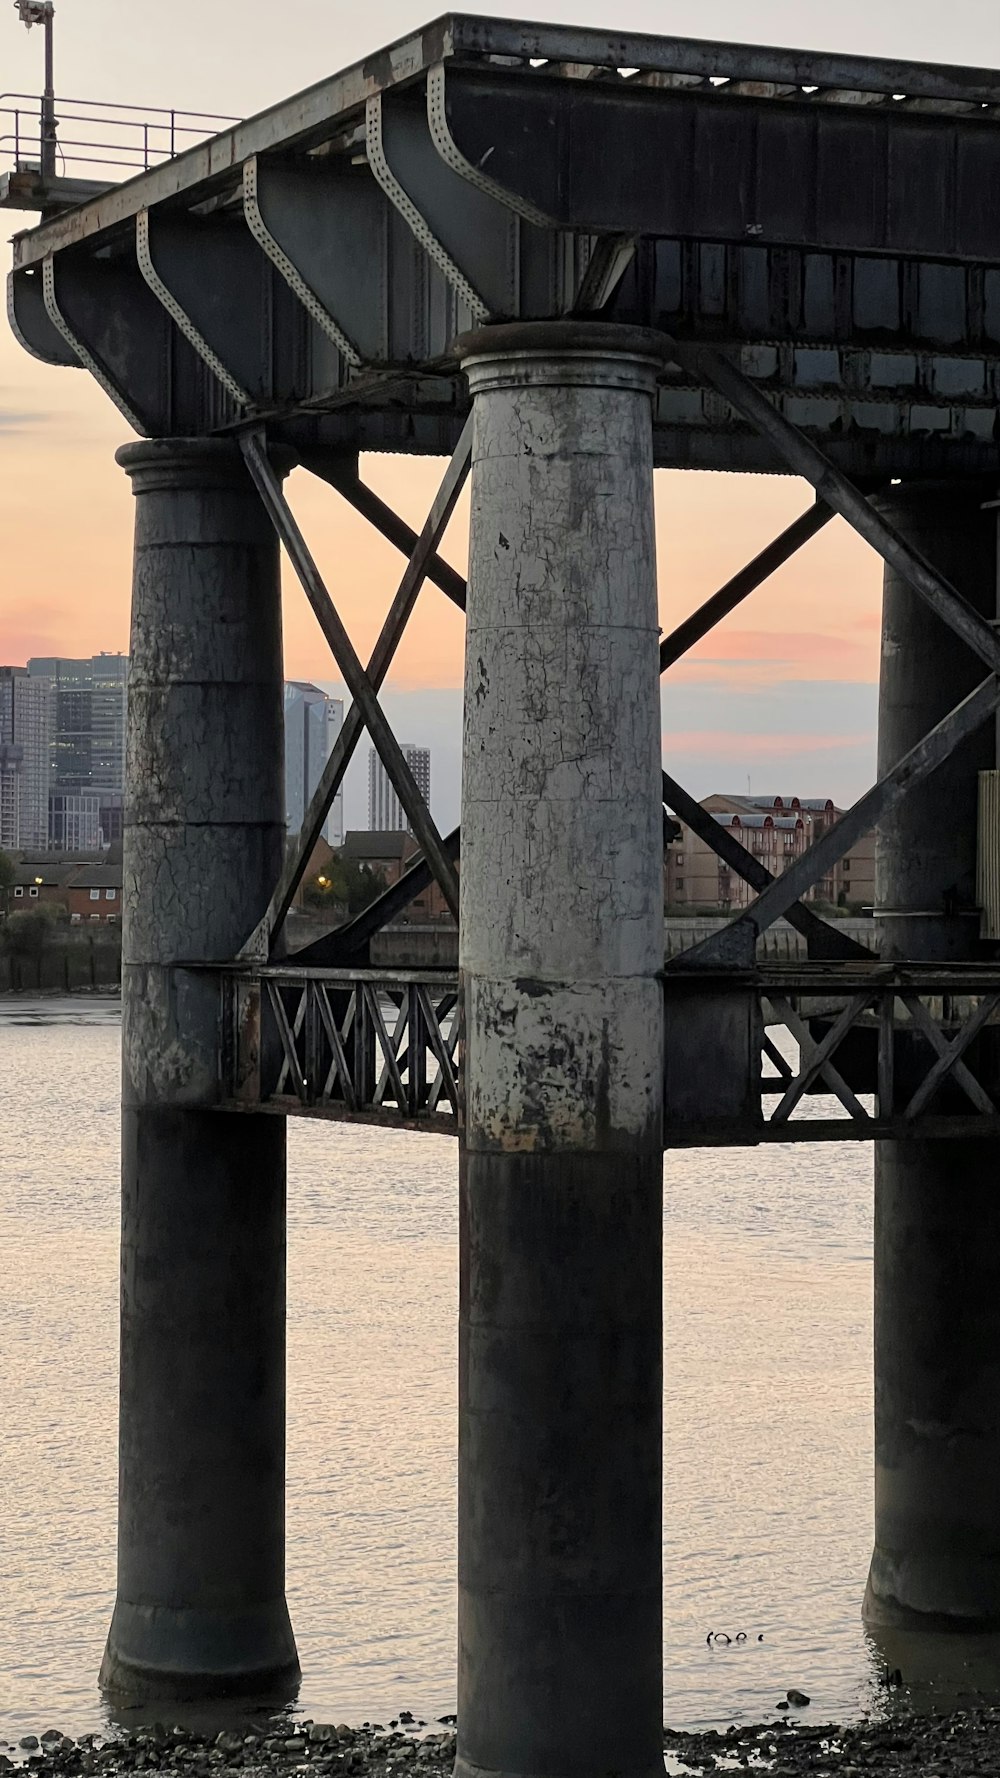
{"x":89,"y":892}
{"x":775,"y":830}
{"x":391,"y":853}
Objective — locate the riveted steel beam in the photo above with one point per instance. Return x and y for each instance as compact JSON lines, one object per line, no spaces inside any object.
{"x":713,"y":166}
{"x":469,"y":302}
{"x":263,"y":233}
{"x":337,"y":241}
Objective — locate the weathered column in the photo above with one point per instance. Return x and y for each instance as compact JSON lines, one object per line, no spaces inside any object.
{"x":560,"y":1390}
{"x":937,"y":1204}
{"x":201,"y":1603}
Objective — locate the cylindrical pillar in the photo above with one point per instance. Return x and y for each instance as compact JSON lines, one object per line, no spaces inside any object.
{"x":560,"y":1382}
{"x":201,"y":1601}
{"x":936,"y":1563}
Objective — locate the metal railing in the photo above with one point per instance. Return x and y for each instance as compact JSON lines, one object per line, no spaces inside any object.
{"x":892,"y":1051}
{"x":120,"y":139}
{"x":786,"y":1053}
{"x":368,"y":1045}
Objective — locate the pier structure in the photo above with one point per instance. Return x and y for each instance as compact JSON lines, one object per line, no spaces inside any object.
{"x":558,"y":258}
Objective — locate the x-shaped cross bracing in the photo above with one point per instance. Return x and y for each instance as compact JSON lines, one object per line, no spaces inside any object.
{"x":365,"y":711}
{"x":735,"y":944}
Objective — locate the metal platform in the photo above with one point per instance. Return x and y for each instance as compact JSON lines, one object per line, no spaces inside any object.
{"x":313,"y":265}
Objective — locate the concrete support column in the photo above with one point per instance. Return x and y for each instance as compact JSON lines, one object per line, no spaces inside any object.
{"x":201,"y":1604}
{"x":937,"y":1204}
{"x":560,"y":1390}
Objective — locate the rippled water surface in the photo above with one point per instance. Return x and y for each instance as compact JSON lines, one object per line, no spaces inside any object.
{"x":768,"y":1451}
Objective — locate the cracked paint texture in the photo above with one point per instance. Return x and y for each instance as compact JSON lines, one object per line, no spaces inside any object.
{"x":562,"y":838}
{"x":204,"y":818}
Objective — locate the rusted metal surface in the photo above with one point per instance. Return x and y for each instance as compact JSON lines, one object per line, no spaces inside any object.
{"x":359,"y":1044}
{"x":921,"y":1042}
{"x":323,"y":266}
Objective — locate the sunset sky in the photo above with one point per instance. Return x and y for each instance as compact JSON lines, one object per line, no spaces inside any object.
{"x":783,"y":693}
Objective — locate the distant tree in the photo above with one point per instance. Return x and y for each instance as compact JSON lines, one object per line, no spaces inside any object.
{"x":7,"y":874}
{"x":345,"y":887}
{"x":27,"y":932}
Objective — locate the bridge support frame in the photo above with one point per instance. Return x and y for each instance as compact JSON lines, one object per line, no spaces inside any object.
{"x":200,"y":1607}
{"x":560,"y":1371}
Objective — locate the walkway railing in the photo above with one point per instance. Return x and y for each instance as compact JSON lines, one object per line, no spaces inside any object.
{"x":95,"y":137}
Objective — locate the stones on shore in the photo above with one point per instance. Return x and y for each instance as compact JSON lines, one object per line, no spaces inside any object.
{"x":946,"y":1746}
{"x":278,"y":1747}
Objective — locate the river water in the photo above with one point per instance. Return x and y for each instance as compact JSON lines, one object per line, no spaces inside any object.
{"x":768,"y":1443}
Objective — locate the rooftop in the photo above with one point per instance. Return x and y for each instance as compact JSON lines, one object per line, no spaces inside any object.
{"x":359,"y":843}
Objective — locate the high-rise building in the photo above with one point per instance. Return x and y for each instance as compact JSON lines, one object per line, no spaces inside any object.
{"x":312,"y":723}
{"x":26,"y":726}
{"x":88,"y":746}
{"x":333,"y":832}
{"x":385,"y":811}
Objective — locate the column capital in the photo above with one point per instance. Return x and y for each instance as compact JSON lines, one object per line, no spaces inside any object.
{"x":153,"y":464}
{"x":587,"y":354}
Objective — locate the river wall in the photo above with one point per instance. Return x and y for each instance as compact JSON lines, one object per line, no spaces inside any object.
{"x":430,"y":947}
{"x":67,"y":963}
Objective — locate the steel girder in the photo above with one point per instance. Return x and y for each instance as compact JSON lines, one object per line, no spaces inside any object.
{"x":313,"y":266}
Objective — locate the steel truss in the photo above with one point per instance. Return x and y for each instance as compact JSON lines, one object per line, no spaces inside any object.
{"x":900,"y":1013}
{"x":364,"y":684}
{"x":370,"y":1046}
{"x":898,"y":1051}
{"x":895,"y":1051}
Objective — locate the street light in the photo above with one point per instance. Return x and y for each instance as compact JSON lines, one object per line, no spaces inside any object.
{"x":42,"y":12}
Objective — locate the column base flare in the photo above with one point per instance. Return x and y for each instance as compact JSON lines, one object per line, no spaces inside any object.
{"x":158,"y":1652}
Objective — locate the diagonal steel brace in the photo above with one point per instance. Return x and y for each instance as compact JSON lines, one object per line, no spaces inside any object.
{"x":365,"y":711}
{"x":734,"y":947}
{"x":823,"y":939}
{"x":806,"y":459}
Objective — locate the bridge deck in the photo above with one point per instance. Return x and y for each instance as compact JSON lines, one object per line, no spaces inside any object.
{"x":314,"y":265}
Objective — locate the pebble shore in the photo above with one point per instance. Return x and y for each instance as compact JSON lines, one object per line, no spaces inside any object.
{"x":954,"y":1746}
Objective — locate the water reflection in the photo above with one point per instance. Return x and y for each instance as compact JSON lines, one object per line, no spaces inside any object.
{"x":932,"y":1671}
{"x":768,"y":1410}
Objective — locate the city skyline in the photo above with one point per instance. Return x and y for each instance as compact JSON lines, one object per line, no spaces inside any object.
{"x":76,"y":800}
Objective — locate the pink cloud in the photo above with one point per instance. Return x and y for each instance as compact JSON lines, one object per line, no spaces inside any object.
{"x":723,"y":744}
{"x":780,"y":654}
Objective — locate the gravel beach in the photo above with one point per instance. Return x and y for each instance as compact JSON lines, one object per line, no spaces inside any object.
{"x":965,"y":1742}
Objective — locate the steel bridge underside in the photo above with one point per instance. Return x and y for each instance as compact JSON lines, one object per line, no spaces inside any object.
{"x":312,"y":267}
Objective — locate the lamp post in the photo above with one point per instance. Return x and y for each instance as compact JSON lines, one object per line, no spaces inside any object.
{"x":42,"y":12}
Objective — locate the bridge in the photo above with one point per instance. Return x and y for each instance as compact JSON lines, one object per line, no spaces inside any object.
{"x":559,"y":258}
